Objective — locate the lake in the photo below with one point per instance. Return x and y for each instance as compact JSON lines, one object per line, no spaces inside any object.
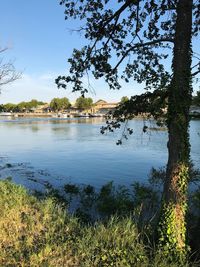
{"x":60,"y":151}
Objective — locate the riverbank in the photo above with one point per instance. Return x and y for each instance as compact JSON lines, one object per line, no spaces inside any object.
{"x":40,"y":232}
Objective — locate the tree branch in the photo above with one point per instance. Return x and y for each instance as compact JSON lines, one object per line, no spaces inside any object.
{"x":3,"y":49}
{"x":196,"y":72}
{"x":8,"y":73}
{"x":142,"y":45}
{"x":120,"y":10}
{"x":110,"y":36}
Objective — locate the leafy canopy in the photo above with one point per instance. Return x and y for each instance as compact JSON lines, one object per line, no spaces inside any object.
{"x":21,"y":106}
{"x":58,"y":104}
{"x":124,"y":99}
{"x":126,"y":39}
{"x":84,"y":103}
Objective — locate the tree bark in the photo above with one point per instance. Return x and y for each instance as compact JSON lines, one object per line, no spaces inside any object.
{"x":172,"y":227}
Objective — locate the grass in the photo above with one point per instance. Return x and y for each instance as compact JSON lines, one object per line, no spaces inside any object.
{"x":37,"y":232}
{"x":32,"y":232}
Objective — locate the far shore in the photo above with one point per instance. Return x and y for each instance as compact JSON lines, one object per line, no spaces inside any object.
{"x":193,"y":115}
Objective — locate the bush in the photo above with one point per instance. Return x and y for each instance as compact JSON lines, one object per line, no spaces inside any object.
{"x":116,"y":243}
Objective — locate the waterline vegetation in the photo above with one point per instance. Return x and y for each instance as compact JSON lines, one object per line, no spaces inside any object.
{"x":114,"y":226}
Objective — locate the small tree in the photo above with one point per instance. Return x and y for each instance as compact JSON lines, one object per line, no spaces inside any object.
{"x":132,"y":39}
{"x":124,"y":99}
{"x":84,"y":103}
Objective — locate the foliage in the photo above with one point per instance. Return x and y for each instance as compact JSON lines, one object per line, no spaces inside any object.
{"x":32,"y":232}
{"x":8,"y":107}
{"x":140,"y":200}
{"x":113,"y":200}
{"x":84,"y":103}
{"x":124,"y":99}
{"x":58,"y":104}
{"x":134,"y":31}
{"x":41,"y":233}
{"x":116,"y":243}
{"x":22,"y":106}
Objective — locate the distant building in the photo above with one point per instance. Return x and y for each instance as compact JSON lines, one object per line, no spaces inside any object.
{"x":103,"y":107}
{"x":41,"y":109}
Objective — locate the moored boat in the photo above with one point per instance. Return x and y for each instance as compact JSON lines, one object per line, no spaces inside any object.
{"x":6,"y":114}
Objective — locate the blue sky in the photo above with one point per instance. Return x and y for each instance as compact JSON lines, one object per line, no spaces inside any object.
{"x":39,"y":44}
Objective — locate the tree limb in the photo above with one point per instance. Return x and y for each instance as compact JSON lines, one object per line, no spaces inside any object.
{"x":142,"y":45}
{"x":120,"y":10}
{"x":195,"y":73}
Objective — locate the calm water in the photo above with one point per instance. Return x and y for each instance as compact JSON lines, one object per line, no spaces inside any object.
{"x":73,"y":150}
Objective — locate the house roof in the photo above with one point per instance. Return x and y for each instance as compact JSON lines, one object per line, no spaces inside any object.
{"x":100,"y":101}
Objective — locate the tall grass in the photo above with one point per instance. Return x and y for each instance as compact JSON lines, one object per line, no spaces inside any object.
{"x":32,"y":232}
{"x":41,"y":233}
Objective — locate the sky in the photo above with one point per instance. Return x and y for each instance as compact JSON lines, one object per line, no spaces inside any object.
{"x":40,"y":42}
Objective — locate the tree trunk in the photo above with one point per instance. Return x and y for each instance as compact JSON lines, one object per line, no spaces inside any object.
{"x":172,"y":226}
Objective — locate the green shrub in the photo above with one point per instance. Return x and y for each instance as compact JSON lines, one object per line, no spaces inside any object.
{"x":117,"y":243}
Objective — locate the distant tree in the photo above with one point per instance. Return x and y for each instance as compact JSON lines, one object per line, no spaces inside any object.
{"x":84,"y":103}
{"x":196,"y":99}
{"x":22,"y":106}
{"x":41,"y":103}
{"x":8,"y":72}
{"x":58,"y":104}
{"x":124,"y":99}
{"x":9,"y":107}
{"x":65,"y":103}
{"x":132,"y":39}
{"x":34,"y":103}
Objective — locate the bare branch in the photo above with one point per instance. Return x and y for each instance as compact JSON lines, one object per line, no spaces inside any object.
{"x":195,"y":73}
{"x":3,"y":49}
{"x":8,"y":72}
{"x":198,"y":70}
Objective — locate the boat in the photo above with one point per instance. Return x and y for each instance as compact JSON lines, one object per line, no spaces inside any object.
{"x":60,"y":115}
{"x":83,"y":115}
{"x":6,"y":114}
{"x":96,"y":115}
{"x":63,"y":115}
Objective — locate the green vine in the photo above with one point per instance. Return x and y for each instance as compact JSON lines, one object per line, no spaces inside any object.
{"x":172,"y":226}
